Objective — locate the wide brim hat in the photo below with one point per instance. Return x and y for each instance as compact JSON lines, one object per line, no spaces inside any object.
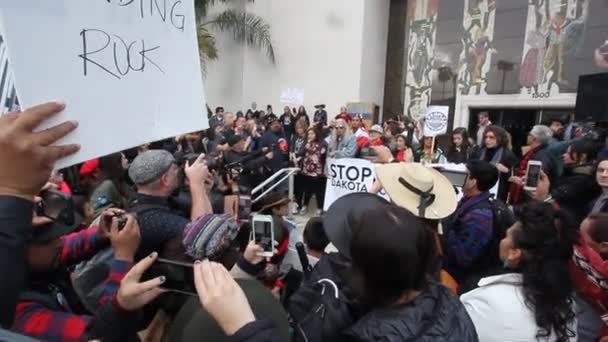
{"x":274,"y":200}
{"x":344,"y":213}
{"x":424,"y":191}
{"x":193,"y":323}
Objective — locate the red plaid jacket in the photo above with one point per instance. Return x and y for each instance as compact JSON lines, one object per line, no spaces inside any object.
{"x":37,"y":320}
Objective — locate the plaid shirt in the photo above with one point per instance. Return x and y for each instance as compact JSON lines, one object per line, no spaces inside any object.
{"x":37,"y":320}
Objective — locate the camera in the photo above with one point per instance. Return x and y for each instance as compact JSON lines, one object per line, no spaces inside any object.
{"x":122,"y":221}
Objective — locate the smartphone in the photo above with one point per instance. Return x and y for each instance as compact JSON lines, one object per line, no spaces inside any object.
{"x":244,"y":207}
{"x":179,"y":276}
{"x":262,"y":233}
{"x":57,"y":206}
{"x":533,"y":170}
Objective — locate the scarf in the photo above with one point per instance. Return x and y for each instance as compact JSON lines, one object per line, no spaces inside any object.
{"x":496,"y":158}
{"x":515,"y":190}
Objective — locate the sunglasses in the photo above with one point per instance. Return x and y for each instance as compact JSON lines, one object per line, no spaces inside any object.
{"x":340,"y":127}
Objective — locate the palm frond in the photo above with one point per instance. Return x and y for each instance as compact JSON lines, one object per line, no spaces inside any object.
{"x":202,"y":6}
{"x":207,"y":47}
{"x":246,"y":28}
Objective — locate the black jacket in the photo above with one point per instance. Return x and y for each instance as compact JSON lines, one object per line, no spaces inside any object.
{"x":436,"y":315}
{"x":576,"y":191}
{"x":544,"y":155}
{"x":252,"y":166}
{"x":15,"y":226}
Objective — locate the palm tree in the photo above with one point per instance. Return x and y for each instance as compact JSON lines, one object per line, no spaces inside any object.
{"x":246,"y":28}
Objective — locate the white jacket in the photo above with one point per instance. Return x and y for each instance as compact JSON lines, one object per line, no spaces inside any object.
{"x":499,"y":313}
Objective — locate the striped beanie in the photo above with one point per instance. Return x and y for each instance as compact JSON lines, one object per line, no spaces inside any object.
{"x":209,"y":235}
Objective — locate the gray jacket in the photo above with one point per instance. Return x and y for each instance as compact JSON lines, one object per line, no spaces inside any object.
{"x":345,"y":148}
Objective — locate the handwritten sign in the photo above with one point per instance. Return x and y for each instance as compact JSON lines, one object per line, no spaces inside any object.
{"x":129,"y":70}
{"x":292,"y":96}
{"x":436,"y":121}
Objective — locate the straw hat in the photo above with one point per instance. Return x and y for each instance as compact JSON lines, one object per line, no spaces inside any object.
{"x":423,"y":191}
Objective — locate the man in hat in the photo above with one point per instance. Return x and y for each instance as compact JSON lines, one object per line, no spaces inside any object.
{"x":156,"y":175}
{"x":376,"y":136}
{"x":320,"y":118}
{"x":49,"y":308}
{"x":276,"y":142}
{"x":250,"y":162}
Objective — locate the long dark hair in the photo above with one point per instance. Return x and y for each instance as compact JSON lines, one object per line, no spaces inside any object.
{"x":547,"y":237}
{"x":388,"y":260}
{"x":465,"y":139}
{"x":317,"y":132}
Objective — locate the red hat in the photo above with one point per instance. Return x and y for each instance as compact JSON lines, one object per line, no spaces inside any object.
{"x":89,"y":167}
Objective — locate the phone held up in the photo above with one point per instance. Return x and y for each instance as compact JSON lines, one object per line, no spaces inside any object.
{"x":533,"y":170}
{"x":179,"y":276}
{"x":262,"y":233}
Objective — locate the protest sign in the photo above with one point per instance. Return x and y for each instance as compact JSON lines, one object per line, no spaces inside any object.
{"x":347,"y":176}
{"x":462,"y":168}
{"x":436,"y":121}
{"x":128,"y":70}
{"x":292,"y":96}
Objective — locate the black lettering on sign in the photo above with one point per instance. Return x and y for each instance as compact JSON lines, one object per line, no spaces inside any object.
{"x":126,"y":55}
{"x":172,"y":9}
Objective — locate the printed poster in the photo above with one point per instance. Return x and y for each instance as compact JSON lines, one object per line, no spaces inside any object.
{"x":477,"y":46}
{"x":554,"y":34}
{"x":422,"y":16}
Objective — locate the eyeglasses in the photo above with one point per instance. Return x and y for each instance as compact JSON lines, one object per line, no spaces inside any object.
{"x":340,"y":127}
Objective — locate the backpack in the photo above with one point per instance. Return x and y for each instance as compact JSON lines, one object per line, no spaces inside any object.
{"x":320,"y":309}
{"x":90,"y":275}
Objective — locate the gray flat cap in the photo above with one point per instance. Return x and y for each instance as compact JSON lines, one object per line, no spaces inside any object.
{"x":150,"y":166}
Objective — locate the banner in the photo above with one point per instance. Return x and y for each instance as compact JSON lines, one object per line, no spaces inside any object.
{"x":292,"y":96}
{"x":422,"y":15}
{"x":477,"y":50}
{"x":129,"y":71}
{"x":8,"y":94}
{"x":554,"y":34}
{"x":347,"y":176}
{"x":436,"y":121}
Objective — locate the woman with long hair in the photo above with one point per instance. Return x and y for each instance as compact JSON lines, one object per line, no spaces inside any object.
{"x":296,"y":149}
{"x":342,"y":143}
{"x":391,"y":268}
{"x":429,"y":152}
{"x":534,"y":302}
{"x":313,"y":161}
{"x":403,"y":152}
{"x":495,"y":150}
{"x":460,"y":149}
{"x":302,"y":115}
{"x":111,"y":189}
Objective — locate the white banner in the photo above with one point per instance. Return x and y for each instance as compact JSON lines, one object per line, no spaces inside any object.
{"x":436,"y":121}
{"x":347,"y":176}
{"x":292,"y":96}
{"x":129,"y":71}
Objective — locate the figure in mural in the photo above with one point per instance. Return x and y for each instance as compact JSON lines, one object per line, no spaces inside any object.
{"x":420,"y":55}
{"x":478,"y":32}
{"x":555,"y":33}
{"x":601,"y":56}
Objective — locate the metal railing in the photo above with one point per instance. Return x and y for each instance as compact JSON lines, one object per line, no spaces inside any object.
{"x":288,"y":173}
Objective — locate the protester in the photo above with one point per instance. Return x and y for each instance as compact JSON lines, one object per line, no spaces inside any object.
{"x":320,"y":117}
{"x":589,"y":273}
{"x":111,"y":190}
{"x":495,"y":151}
{"x":302,"y":115}
{"x":313,"y":164}
{"x":469,"y":234}
{"x":156,"y":176}
{"x":315,"y":238}
{"x":557,"y":126}
{"x":430,"y":152}
{"x":403,"y":305}
{"x":297,"y":153}
{"x":403,"y":152}
{"x":288,"y":122}
{"x":460,"y":150}
{"x":359,"y":131}
{"x":89,"y":174}
{"x":240,"y":126}
{"x":343,"y":144}
{"x":217,"y":119}
{"x":50,"y":298}
{"x":57,"y":178}
{"x":376,"y":136}
{"x":483,"y":122}
{"x":250,"y":164}
{"x":275,"y":141}
{"x":601,"y":175}
{"x":27,"y":160}
{"x":538,"y":141}
{"x":535,"y":300}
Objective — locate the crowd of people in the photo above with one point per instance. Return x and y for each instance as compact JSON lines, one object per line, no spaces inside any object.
{"x":78,"y":246}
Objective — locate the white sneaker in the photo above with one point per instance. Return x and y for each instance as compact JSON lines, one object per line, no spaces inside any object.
{"x":319,"y":212}
{"x":303,"y":210}
{"x":294,"y":211}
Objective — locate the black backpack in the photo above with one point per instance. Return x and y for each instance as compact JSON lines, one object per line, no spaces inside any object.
{"x":320,"y":310}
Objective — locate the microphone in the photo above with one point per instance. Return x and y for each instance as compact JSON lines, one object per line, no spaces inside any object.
{"x":306,"y":268}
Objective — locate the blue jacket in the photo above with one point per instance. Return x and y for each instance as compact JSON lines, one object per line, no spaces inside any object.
{"x":346,"y":148}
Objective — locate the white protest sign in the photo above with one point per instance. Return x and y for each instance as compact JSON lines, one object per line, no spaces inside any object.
{"x":436,"y":121}
{"x":128,"y":70}
{"x":292,"y":96}
{"x":463,"y":168}
{"x":347,"y":176}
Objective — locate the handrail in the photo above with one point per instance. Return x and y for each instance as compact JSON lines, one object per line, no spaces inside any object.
{"x":273,"y":177}
{"x":290,"y":173}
